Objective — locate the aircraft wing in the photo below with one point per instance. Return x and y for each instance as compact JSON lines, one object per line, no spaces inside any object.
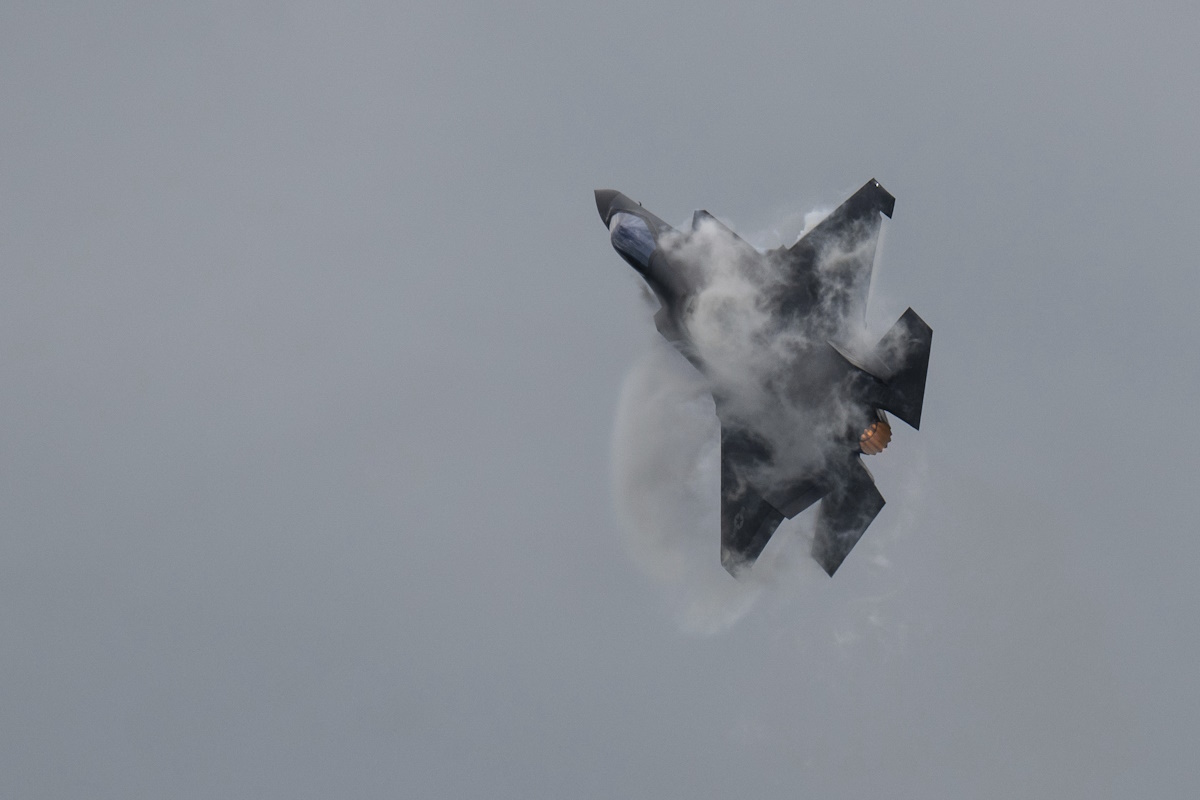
{"x":750,"y":514}
{"x":831,"y":264}
{"x":747,"y":524}
{"x":749,"y":517}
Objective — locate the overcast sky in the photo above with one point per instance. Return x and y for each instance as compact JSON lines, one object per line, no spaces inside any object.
{"x":312,"y":344}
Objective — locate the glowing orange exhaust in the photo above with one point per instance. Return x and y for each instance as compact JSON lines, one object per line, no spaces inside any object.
{"x":875,"y":438}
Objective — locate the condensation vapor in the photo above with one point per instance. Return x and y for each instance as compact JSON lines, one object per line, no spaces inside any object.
{"x":666,"y":481}
{"x":666,"y":442}
{"x":667,"y":451}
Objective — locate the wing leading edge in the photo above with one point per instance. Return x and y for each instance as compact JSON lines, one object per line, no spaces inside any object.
{"x":831,"y":264}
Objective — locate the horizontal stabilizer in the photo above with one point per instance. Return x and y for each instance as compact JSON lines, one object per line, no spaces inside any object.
{"x":844,"y":515}
{"x":904,"y":354}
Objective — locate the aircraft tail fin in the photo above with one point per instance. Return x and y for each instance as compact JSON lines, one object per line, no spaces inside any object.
{"x":845,"y":514}
{"x":904,"y":352}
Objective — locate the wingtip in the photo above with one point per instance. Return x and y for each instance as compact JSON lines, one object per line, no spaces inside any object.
{"x":884,"y":198}
{"x":829,"y":565}
{"x":735,"y":564}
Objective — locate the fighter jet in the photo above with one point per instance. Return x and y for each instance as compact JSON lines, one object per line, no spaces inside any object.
{"x":778,"y":335}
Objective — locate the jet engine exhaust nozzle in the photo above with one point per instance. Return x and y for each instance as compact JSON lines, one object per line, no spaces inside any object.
{"x":875,"y":438}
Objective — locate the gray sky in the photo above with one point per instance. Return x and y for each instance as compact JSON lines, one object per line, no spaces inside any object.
{"x":312,"y":344}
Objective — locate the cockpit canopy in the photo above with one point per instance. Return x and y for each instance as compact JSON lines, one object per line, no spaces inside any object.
{"x":632,"y":238}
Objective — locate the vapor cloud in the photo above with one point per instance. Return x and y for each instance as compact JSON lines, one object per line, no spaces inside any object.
{"x":666,"y":481}
{"x":666,"y":442}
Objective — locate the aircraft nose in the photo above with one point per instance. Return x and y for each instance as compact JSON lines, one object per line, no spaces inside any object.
{"x":604,"y":200}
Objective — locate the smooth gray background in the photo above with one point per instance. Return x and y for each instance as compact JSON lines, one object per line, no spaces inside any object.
{"x":312,"y":341}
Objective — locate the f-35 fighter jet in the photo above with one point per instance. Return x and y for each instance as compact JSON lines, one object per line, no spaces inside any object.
{"x":779,"y":336}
